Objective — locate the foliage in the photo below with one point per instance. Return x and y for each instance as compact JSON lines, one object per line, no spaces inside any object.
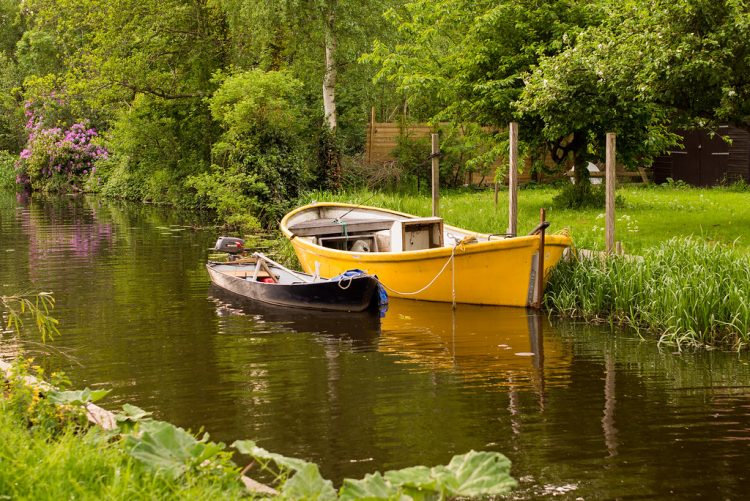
{"x":686,"y":291}
{"x":232,"y":194}
{"x":156,"y":144}
{"x":87,"y":463}
{"x":474,"y":474}
{"x":290,"y":35}
{"x":7,"y":170}
{"x":260,"y":158}
{"x":76,"y":397}
{"x":56,"y":159}
{"x":172,"y":451}
{"x":479,"y":54}
{"x":25,"y":396}
{"x":36,"y":305}
{"x":584,"y":195}
{"x":11,"y":117}
{"x":412,"y":164}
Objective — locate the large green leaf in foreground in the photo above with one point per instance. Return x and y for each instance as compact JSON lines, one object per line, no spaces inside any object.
{"x":169,"y":449}
{"x":474,"y":474}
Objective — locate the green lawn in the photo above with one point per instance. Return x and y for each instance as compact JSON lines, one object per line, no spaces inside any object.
{"x":650,"y":215}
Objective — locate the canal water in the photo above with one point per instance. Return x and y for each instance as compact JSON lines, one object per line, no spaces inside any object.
{"x":583,"y":413}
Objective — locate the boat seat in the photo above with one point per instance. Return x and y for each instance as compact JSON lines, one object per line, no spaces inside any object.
{"x":318,"y":228}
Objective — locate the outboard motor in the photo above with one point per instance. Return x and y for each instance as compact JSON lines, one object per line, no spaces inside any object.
{"x":230,"y":245}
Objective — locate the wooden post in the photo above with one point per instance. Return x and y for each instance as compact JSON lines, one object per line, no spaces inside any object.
{"x":435,"y":176}
{"x":540,"y":263}
{"x":513,"y":181}
{"x":611,"y":181}
{"x":370,"y":135}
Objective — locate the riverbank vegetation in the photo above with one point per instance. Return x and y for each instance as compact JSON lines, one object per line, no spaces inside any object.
{"x":685,"y":292}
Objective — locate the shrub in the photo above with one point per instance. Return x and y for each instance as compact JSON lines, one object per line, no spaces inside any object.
{"x":156,"y":145}
{"x":7,"y":170}
{"x":57,"y":159}
{"x":259,"y":163}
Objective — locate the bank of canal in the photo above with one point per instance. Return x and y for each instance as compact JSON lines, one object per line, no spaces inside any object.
{"x":597,"y":416}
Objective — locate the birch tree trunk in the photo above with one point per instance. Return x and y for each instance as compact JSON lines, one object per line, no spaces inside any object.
{"x":329,"y":78}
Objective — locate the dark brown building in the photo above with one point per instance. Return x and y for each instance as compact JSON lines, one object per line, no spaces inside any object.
{"x":707,"y":160}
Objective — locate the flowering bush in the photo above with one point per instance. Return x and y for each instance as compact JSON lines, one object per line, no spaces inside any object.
{"x":56,"y":159}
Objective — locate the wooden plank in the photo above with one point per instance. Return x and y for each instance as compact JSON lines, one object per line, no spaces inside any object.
{"x":318,"y":228}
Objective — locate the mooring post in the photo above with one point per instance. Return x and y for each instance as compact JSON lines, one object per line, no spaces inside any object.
{"x":540,"y":262}
{"x":513,"y":181}
{"x":370,"y":135}
{"x":435,"y":176}
{"x":611,"y":181}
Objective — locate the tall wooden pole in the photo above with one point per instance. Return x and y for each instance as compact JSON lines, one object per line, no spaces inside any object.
{"x":611,"y":181}
{"x":435,"y":176}
{"x":540,"y":262}
{"x":513,"y":181}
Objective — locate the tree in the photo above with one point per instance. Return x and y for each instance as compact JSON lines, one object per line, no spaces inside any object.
{"x":466,"y":61}
{"x":649,"y":68}
{"x":319,"y":42}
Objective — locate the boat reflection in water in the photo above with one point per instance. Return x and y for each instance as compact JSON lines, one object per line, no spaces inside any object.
{"x":360,"y":329}
{"x":485,"y":345}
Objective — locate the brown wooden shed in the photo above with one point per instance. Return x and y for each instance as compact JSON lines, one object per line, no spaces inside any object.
{"x":707,"y":160}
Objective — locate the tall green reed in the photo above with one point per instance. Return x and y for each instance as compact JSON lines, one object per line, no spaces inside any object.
{"x":685,"y":291}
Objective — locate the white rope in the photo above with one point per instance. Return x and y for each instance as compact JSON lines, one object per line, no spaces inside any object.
{"x":450,"y":260}
{"x":348,"y":283}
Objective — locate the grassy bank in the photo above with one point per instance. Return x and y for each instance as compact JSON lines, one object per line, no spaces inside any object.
{"x":684,"y":291}
{"x":48,"y":451}
{"x":650,"y":215}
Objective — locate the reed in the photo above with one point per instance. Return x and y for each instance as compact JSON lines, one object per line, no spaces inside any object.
{"x":685,"y":291}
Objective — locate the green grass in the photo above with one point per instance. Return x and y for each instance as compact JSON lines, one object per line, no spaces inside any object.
{"x":651,"y":215}
{"x":40,"y":466}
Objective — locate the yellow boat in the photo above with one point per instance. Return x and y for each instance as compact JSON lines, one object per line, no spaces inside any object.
{"x":420,"y":257}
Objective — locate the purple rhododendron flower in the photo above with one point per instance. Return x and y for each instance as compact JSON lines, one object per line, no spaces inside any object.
{"x":67,"y":152}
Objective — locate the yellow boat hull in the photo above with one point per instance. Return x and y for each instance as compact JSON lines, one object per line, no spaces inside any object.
{"x":494,"y":272}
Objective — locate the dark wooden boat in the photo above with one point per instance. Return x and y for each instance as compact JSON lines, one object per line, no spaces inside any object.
{"x":260,"y":279}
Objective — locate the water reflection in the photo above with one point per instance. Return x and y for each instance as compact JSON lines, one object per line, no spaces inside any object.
{"x":64,"y":228}
{"x":360,"y":329}
{"x":486,"y":345}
